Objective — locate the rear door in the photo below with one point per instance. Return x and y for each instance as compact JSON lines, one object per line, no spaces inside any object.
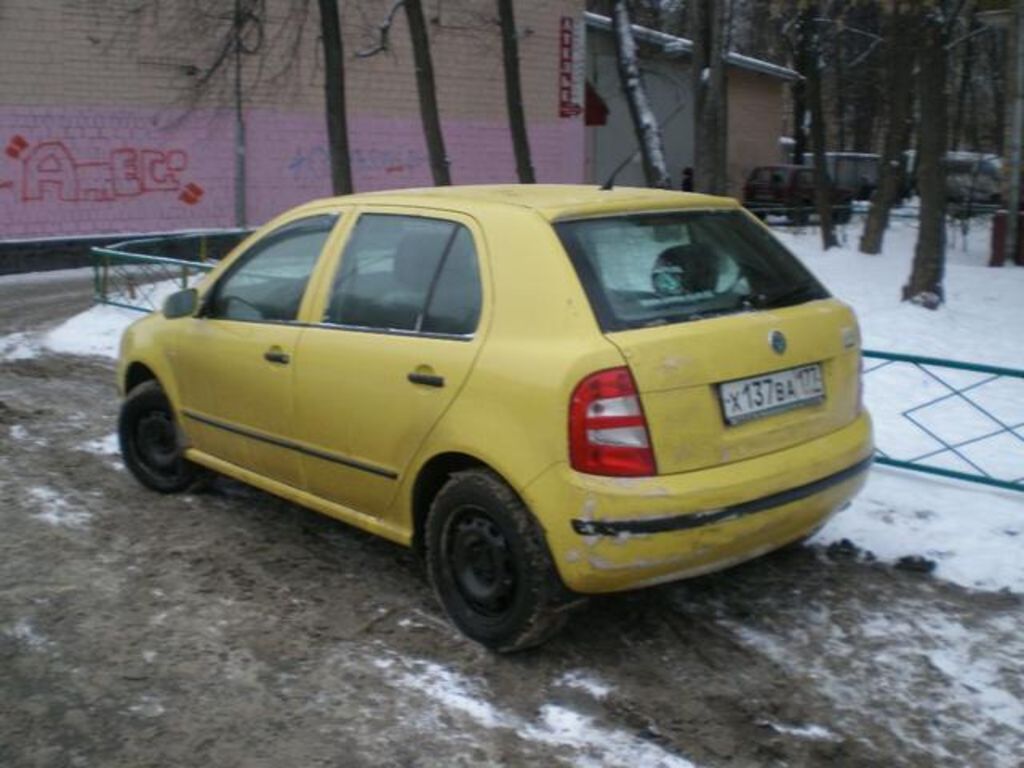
{"x":398,"y":335}
{"x":736,"y":349}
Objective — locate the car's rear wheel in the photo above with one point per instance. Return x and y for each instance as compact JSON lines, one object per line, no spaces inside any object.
{"x":150,"y":445}
{"x":490,"y":566}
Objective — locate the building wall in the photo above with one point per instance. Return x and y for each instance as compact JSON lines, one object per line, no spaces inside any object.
{"x":668,"y":88}
{"x":107,"y":125}
{"x":756,"y":115}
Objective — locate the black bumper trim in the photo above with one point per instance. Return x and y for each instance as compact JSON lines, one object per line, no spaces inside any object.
{"x":712,"y":517}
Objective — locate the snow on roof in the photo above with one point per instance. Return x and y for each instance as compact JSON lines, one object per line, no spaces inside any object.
{"x":679,"y":46}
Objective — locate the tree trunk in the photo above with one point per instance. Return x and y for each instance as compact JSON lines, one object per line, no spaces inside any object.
{"x":925,"y":284}
{"x":822,"y":184}
{"x":709,"y":85}
{"x":334,"y":88}
{"x":648,"y":132}
{"x":899,"y":106}
{"x":427,"y":92}
{"x":514,"y":92}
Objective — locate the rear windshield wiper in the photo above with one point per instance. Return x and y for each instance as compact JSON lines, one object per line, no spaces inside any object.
{"x":784,"y":297}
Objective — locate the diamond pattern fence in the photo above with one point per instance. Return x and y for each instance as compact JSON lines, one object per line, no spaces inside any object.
{"x":948,"y":418}
{"x":139,"y":274}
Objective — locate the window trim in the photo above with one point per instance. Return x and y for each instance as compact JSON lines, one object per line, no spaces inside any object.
{"x":210,"y":295}
{"x":414,"y":333}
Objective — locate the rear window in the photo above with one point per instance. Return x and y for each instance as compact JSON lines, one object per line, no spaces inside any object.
{"x":654,"y":269}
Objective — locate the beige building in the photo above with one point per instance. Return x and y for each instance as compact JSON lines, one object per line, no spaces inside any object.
{"x":756,"y":107}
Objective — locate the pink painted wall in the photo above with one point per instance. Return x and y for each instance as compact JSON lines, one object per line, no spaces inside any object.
{"x":66,"y":172}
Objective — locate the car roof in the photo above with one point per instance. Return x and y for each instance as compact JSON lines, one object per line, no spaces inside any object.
{"x":551,"y":201}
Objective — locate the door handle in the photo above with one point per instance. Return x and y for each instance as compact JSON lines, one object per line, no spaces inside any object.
{"x":426,"y":379}
{"x":276,"y":355}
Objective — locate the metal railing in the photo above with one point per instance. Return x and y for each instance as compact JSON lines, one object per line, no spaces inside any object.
{"x":954,"y":419}
{"x":138,"y":274}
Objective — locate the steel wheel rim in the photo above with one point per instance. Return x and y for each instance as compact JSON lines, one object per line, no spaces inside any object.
{"x":156,"y":444}
{"x":480,"y":562}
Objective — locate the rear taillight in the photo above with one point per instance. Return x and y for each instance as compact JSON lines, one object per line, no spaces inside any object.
{"x":607,"y":430}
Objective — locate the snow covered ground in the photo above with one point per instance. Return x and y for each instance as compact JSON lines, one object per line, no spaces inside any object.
{"x":971,"y":533}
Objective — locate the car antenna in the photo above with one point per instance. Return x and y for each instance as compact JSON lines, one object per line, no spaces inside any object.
{"x":610,"y":184}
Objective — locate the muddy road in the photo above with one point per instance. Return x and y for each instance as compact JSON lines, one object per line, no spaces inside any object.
{"x":229,"y":628}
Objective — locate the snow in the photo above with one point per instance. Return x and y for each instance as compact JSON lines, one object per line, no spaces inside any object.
{"x":25,"y":633}
{"x":104,"y":446}
{"x":583,"y":681}
{"x":970,"y":532}
{"x":55,"y":510}
{"x":592,"y":744}
{"x":865,"y":674}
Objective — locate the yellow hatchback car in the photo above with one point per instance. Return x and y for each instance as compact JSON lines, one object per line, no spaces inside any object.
{"x":550,"y":391}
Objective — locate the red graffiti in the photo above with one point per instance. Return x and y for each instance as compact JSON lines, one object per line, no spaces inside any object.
{"x":15,"y":146}
{"x":49,"y":169}
{"x":191,"y":194}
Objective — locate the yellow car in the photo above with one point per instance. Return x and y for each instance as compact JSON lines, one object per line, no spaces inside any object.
{"x":549,"y":391}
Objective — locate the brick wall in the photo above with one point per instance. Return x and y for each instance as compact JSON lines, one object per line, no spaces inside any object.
{"x":104,"y":126}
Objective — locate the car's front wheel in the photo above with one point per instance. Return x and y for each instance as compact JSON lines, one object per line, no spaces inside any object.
{"x":490,"y":566}
{"x":150,"y":445}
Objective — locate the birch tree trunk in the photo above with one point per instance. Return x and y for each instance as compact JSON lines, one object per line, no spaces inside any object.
{"x":427,"y":92}
{"x":925,"y":284}
{"x":334,"y":92}
{"x":514,"y":92}
{"x":709,"y":85}
{"x":900,"y":56}
{"x":648,"y":133}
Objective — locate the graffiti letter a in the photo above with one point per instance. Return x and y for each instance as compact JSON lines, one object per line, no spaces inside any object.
{"x":49,"y":164}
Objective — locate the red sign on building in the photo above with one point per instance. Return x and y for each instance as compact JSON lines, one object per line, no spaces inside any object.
{"x":570,"y":67}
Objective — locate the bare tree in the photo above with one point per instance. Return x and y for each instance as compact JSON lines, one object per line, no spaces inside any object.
{"x":334,"y":92}
{"x":809,"y":62}
{"x":427,"y":92}
{"x":708,"y":23}
{"x":514,"y":91}
{"x":648,"y":131}
{"x":924,"y":286}
{"x":900,"y":58}
{"x":425,"y":86}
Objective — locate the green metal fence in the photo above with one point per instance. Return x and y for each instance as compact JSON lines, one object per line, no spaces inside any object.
{"x":138,"y":274}
{"x":954,"y":419}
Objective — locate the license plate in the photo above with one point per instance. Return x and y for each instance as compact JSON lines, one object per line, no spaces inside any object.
{"x":769,"y":393}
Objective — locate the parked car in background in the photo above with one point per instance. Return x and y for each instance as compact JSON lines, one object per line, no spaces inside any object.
{"x":548,"y":391}
{"x":788,"y":190}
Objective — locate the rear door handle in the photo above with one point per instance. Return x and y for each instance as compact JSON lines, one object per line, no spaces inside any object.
{"x":426,"y":379}
{"x":276,"y":355}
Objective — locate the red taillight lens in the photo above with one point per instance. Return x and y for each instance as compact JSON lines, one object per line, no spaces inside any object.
{"x":607,"y":430}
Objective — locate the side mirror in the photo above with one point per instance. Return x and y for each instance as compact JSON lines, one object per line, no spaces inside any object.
{"x":181,"y":304}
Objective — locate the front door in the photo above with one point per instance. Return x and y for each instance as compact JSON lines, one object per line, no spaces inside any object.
{"x":236,"y":359}
{"x":398,"y":338}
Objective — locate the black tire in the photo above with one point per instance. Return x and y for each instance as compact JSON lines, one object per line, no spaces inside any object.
{"x":489,"y":564}
{"x":150,"y":443}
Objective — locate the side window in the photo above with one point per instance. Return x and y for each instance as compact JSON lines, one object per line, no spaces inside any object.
{"x":269,"y":280}
{"x":407,"y":273}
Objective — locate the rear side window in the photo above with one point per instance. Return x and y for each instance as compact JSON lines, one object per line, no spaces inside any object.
{"x":407,"y":273}
{"x":655,"y":269}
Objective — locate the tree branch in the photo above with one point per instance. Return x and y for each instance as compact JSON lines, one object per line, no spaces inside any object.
{"x":383,"y":32}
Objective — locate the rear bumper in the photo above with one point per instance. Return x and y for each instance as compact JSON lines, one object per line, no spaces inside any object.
{"x":611,"y":534}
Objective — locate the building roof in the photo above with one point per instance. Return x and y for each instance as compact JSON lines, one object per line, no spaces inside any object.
{"x":672,"y":45}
